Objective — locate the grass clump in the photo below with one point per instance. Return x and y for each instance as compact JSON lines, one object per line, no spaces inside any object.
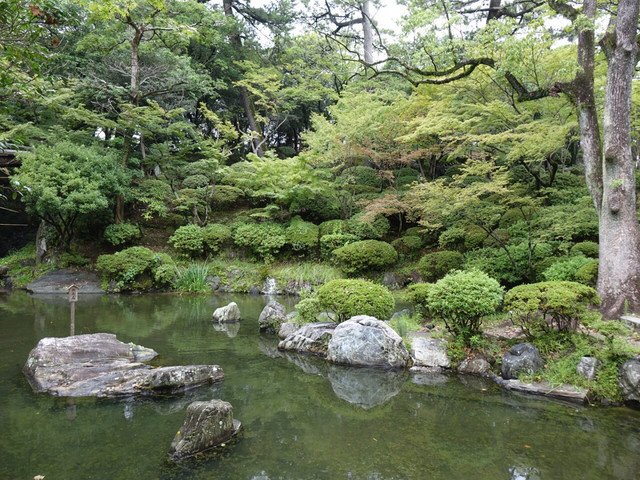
{"x":192,"y":278}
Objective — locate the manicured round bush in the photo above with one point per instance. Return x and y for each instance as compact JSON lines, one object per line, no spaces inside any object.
{"x":474,"y":236}
{"x":329,"y":243}
{"x":188,"y":240}
{"x":544,"y":306}
{"x":364,"y":256}
{"x":452,"y":239}
{"x":374,"y":230}
{"x":302,"y":236}
{"x":588,"y":249}
{"x":407,"y":245}
{"x":565,"y":270}
{"x":215,"y":236}
{"x":462,"y":298}
{"x":588,"y":274}
{"x":195,"y":181}
{"x":136,"y":268}
{"x":224,"y":195}
{"x":347,"y":298}
{"x":436,"y":265}
{"x":121,"y":233}
{"x":417,"y":295}
{"x":264,"y":240}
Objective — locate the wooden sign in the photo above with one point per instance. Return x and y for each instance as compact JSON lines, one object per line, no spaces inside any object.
{"x":73,"y":293}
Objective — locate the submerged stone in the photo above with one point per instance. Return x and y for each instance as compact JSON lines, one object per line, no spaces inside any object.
{"x":99,"y":365}
{"x":206,"y":426}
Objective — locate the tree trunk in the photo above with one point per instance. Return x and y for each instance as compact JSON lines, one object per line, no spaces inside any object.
{"x":619,"y":267}
{"x":367,"y":33}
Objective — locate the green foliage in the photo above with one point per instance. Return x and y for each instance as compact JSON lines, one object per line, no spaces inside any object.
{"x":588,"y":249}
{"x":452,"y":239}
{"x":436,"y":265}
{"x":332,"y":227}
{"x":313,"y":273}
{"x":407,"y":245}
{"x":215,"y":236}
{"x":331,"y":242}
{"x":195,"y":181}
{"x":347,"y":298}
{"x":363,"y":229}
{"x":474,"y":236}
{"x":308,"y":308}
{"x":574,"y":222}
{"x":188,"y":240}
{"x":418,"y":295}
{"x":121,"y":233}
{"x":365,"y":256}
{"x":403,"y":324}
{"x":264,"y":240}
{"x":135,"y":268}
{"x":68,"y":259}
{"x":541,"y":307}
{"x":192,"y":278}
{"x":302,"y":236}
{"x":156,"y":195}
{"x":566,"y":270}
{"x":365,"y":176}
{"x":65,"y":181}
{"x":588,"y":274}
{"x":225,"y":196}
{"x":462,"y":298}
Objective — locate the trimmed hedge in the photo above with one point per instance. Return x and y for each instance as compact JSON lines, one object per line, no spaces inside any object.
{"x":436,"y":265}
{"x":364,"y":256}
{"x":347,"y":298}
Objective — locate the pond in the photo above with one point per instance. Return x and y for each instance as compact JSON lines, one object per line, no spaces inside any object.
{"x":302,"y":419}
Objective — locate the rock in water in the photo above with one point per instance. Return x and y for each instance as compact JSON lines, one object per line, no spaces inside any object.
{"x":522,"y":358}
{"x":366,"y":341}
{"x":272,"y":316}
{"x":629,"y":380}
{"x":311,"y":338}
{"x":99,"y":365}
{"x":430,"y":353}
{"x":228,"y":314}
{"x":287,"y":329}
{"x":206,"y":425}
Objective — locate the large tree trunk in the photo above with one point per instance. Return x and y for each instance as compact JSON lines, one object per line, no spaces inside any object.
{"x":619,"y":267}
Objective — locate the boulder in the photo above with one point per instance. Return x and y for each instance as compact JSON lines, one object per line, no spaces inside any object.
{"x":254,"y":290}
{"x":588,"y":367}
{"x":213,"y":281}
{"x":311,"y":338}
{"x":629,"y":380}
{"x":99,"y":365}
{"x":4,"y":270}
{"x":405,"y":312}
{"x":59,"y":281}
{"x":429,"y":352}
{"x":228,"y":314}
{"x":272,"y":316}
{"x":288,"y":328}
{"x":522,"y":358}
{"x":366,"y":341}
{"x":474,"y":366}
{"x":393,"y":281}
{"x":206,"y":426}
{"x":295,"y":287}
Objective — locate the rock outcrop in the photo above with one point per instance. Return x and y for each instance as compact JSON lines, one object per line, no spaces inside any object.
{"x":310,"y":338}
{"x":629,"y":380}
{"x":99,"y":365}
{"x":227,"y":314}
{"x":430,"y":353}
{"x":522,"y":358}
{"x":272,"y":316}
{"x":474,"y":366}
{"x":59,"y":281}
{"x":366,"y":341}
{"x":206,"y":426}
{"x":288,"y":328}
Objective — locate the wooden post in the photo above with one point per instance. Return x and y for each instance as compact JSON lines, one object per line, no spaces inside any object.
{"x":73,"y":298}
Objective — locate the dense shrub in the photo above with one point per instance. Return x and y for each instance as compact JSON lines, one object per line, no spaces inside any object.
{"x":497,"y":238}
{"x":568,"y":222}
{"x":474,"y":237}
{"x":264,"y":240}
{"x":318,"y":207}
{"x":364,"y":256}
{"x":436,"y":265}
{"x":452,"y":239}
{"x":308,"y":308}
{"x":365,"y":176}
{"x":329,"y":243}
{"x":417,"y":295}
{"x":332,"y":227}
{"x":588,"y":249}
{"x":588,"y":274}
{"x":347,"y":298}
{"x":374,"y":230}
{"x":188,"y":239}
{"x":462,"y":298}
{"x":195,"y":181}
{"x":121,"y":233}
{"x":407,"y":245}
{"x":545,"y":306}
{"x":215,"y":236}
{"x":206,"y":168}
{"x":68,"y":259}
{"x":565,"y":270}
{"x":302,"y":236}
{"x":136,"y":268}
{"x":224,"y":196}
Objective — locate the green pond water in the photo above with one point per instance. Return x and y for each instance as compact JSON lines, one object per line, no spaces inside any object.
{"x":302,"y":419}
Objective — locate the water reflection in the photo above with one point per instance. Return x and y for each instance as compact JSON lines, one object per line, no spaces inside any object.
{"x":231,"y":329}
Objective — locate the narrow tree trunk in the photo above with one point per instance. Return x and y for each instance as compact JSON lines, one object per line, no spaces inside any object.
{"x":619,"y":267}
{"x":367,"y":32}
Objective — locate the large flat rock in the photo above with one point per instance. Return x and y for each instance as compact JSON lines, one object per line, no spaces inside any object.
{"x":99,"y":365}
{"x":563,"y":392}
{"x":59,"y":281}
